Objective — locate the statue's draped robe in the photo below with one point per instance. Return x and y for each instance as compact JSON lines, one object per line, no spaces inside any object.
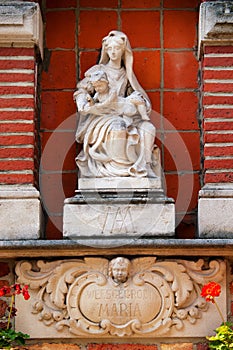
{"x":112,"y":144}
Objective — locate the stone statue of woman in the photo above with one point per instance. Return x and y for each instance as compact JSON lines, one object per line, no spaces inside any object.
{"x":114,"y":124}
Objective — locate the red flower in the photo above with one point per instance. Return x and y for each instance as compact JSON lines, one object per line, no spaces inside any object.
{"x":25,"y":293}
{"x":5,"y":290}
{"x":17,"y":288}
{"x":210,"y":291}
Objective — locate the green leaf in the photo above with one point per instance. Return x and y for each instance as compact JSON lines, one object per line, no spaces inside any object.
{"x":8,"y":338}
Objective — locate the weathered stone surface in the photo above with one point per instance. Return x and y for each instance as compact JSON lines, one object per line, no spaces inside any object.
{"x":177,"y":346}
{"x":48,"y":346}
{"x":124,"y":214}
{"x":21,"y":24}
{"x":20,"y":212}
{"x":215,"y":209}
{"x":114,"y":122}
{"x":215,"y":23}
{"x":142,"y":297}
{"x":129,"y":183}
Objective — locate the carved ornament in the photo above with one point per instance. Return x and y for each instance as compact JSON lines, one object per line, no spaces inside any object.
{"x":97,"y":297}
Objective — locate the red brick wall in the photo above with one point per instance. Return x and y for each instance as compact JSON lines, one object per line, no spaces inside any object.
{"x":17,"y":110}
{"x":218,"y":114}
{"x":164,"y":40}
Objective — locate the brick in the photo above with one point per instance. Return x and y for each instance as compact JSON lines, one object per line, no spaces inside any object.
{"x":218,"y":74}
{"x":147,"y":68}
{"x":218,"y":113}
{"x":180,"y":70}
{"x":58,"y":36}
{"x":140,"y":3}
{"x":218,"y":151}
{"x":218,"y":61}
{"x":218,"y":49}
{"x":99,"y":3}
{"x":17,"y":140}
{"x":171,"y":185}
{"x":218,"y":164}
{"x":13,"y":152}
{"x":61,"y":71}
{"x":155,"y":100}
{"x":54,"y":227}
{"x":17,"y":90}
{"x":61,"y":4}
{"x":9,"y":64}
{"x":8,"y":165}
{"x":59,"y":186}
{"x":178,"y":148}
{"x":208,"y":125}
{"x":64,"y":157}
{"x":17,"y":102}
{"x":121,"y":347}
{"x":96,"y":19}
{"x":178,"y":346}
{"x":56,"y":107}
{"x":218,"y":87}
{"x":186,"y":229}
{"x":218,"y":177}
{"x":215,"y":100}
{"x":182,"y":26}
{"x":212,"y":138}
{"x":4,"y":270}
{"x":13,"y":115}
{"x":145,"y":33}
{"x":16,"y":178}
{"x":16,"y":127}
{"x":179,"y":187}
{"x":16,"y":51}
{"x":181,"y":3}
{"x":17,"y":77}
{"x":176,"y":104}
{"x":87,"y":60}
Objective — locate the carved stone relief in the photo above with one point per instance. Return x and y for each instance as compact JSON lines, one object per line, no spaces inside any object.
{"x":114,"y":117}
{"x":144,"y":297}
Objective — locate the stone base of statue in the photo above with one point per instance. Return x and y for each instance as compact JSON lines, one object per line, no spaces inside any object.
{"x":121,"y":207}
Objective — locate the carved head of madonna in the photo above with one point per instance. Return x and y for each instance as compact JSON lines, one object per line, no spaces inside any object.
{"x":114,"y":46}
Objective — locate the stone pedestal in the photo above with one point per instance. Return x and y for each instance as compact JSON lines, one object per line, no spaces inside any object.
{"x":215,"y":211}
{"x":127,"y":212}
{"x":20,"y":212}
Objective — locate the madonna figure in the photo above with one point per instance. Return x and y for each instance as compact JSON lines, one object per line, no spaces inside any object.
{"x":114,"y":116}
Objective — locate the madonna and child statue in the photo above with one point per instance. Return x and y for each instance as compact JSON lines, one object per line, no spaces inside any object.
{"x":114,"y":124}
{"x":120,"y":191}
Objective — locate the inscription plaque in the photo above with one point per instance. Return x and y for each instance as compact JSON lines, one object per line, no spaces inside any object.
{"x":121,"y":297}
{"x":119,"y":304}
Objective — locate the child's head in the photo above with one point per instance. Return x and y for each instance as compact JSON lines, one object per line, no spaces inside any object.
{"x":99,"y":81}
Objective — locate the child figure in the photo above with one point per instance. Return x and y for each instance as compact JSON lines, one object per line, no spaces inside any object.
{"x":104,"y":97}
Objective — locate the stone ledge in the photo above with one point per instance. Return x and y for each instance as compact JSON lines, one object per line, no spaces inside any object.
{"x":215,"y":24}
{"x":20,"y":211}
{"x":118,"y":214}
{"x":21,"y":24}
{"x":159,"y":247}
{"x":215,"y":207}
